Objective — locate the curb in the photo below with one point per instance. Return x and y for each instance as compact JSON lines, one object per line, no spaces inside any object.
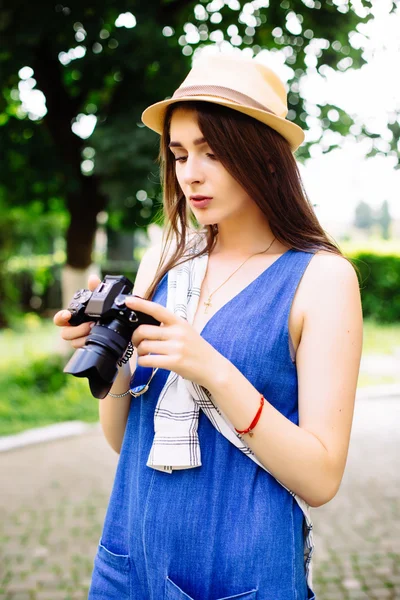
{"x":46,"y":434}
{"x":74,"y":428}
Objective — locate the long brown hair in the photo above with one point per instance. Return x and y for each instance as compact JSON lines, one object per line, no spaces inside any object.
{"x":261,"y":161}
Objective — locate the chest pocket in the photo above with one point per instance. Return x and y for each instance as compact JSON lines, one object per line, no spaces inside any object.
{"x":173,"y":592}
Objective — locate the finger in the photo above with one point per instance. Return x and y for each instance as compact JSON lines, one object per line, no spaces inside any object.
{"x":153,"y":347}
{"x":155,"y":361}
{"x":148,"y":332}
{"x":79,"y":342}
{"x":153,"y":309}
{"x":72,"y":333}
{"x":61,"y":318}
{"x":93,"y":282}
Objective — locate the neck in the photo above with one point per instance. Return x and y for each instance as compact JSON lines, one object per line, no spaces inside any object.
{"x":235,"y":239}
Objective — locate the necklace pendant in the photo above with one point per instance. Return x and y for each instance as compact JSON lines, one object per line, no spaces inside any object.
{"x":207,"y":304}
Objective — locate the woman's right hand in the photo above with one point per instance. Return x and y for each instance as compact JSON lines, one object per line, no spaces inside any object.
{"x":76,"y":335}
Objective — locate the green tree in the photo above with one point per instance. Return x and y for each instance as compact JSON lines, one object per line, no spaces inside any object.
{"x":384,"y":219}
{"x":8,"y":293}
{"x":86,"y":64}
{"x":364,"y":217}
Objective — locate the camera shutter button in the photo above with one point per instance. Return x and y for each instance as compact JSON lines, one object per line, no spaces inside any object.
{"x":120,"y":301}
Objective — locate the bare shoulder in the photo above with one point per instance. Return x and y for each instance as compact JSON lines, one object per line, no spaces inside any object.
{"x":329,"y":277}
{"x":327,"y":267}
{"x":149,"y":265}
{"x":147,"y":269}
{"x":152,"y":257}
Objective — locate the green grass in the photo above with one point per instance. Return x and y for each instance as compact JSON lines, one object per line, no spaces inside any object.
{"x":35,"y":392}
{"x":22,"y":409}
{"x":381,"y":339}
{"x":375,"y":246}
{"x":367,"y":380}
{"x":31,"y":337}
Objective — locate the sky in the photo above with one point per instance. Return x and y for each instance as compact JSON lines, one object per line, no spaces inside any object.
{"x":337,"y":181}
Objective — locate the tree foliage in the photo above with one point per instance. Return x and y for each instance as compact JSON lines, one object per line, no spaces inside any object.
{"x":364,"y":216}
{"x":85,"y":64}
{"x":384,"y":219}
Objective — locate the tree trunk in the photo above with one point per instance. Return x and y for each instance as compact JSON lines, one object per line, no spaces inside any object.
{"x":83,"y":196}
{"x":75,"y":279}
{"x":83,"y":206}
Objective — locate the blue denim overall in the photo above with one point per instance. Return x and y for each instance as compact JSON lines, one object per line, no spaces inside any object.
{"x":226,"y":529}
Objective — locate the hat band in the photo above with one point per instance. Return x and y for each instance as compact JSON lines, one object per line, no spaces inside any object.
{"x":220,"y":92}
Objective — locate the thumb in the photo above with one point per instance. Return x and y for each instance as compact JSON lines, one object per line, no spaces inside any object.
{"x":93,"y":282}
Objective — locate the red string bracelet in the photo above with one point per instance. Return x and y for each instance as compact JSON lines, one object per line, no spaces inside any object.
{"x":254,"y":422}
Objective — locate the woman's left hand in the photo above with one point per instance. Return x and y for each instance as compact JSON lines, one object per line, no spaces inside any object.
{"x":175,"y":345}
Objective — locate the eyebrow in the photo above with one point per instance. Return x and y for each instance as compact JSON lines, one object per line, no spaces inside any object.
{"x":196,"y":142}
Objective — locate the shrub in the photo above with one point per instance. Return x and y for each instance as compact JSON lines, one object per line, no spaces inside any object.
{"x":36,"y":393}
{"x":380,"y":285}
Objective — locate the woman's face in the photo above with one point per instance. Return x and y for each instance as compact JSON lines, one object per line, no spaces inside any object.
{"x":199,"y":173}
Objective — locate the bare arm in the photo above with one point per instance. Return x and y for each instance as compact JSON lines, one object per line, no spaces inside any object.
{"x":113,"y":412}
{"x":310,"y":458}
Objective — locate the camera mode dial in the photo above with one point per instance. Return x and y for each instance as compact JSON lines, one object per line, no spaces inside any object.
{"x":83,"y":295}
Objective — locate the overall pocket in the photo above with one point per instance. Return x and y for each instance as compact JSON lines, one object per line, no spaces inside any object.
{"x":251,"y":595}
{"x":110,"y":579}
{"x":174,"y":592}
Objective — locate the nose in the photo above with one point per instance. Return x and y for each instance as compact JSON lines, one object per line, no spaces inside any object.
{"x":193,"y":173}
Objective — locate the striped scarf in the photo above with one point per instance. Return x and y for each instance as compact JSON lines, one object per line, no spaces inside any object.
{"x":176,"y":443}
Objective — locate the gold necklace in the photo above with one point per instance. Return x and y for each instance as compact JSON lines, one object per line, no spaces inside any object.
{"x":208,"y":303}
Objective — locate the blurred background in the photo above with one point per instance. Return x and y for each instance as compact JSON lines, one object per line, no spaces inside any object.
{"x":80,"y":193}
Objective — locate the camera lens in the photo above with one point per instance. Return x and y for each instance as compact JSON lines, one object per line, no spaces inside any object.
{"x":97,"y":360}
{"x":109,"y":338}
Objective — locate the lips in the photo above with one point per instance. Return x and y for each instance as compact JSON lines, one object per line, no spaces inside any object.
{"x":200,"y":201}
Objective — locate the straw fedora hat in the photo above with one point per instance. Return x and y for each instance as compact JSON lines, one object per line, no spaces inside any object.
{"x":239,"y":83}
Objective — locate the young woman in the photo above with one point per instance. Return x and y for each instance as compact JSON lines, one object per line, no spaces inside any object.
{"x":243,"y":398}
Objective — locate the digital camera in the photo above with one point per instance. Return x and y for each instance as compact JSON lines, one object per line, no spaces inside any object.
{"x":108,"y":340}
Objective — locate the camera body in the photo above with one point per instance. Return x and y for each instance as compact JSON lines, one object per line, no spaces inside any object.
{"x":109,"y":338}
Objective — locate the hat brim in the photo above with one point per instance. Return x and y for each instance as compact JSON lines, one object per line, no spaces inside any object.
{"x":153,"y":117}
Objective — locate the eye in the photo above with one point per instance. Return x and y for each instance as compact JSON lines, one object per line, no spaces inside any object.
{"x":212,"y":156}
{"x":179,"y":158}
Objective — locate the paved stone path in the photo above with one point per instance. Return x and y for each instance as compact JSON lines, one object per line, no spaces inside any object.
{"x":53,"y":498}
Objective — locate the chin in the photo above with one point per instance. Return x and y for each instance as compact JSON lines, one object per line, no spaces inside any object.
{"x":207,"y":217}
{"x":206,"y":222}
{"x":203,"y":219}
